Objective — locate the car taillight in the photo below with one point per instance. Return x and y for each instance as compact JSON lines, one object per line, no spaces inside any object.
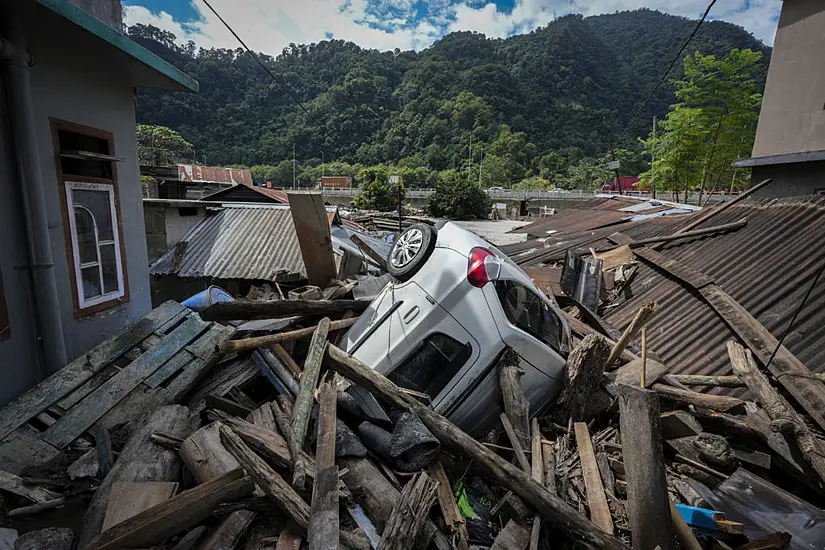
{"x":477,"y":273}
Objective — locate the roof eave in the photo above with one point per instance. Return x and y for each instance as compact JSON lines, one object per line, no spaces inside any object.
{"x":172,"y":78}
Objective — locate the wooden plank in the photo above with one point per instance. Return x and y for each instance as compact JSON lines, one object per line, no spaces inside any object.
{"x":264,"y":417}
{"x":60,"y":384}
{"x":287,"y":359}
{"x":191,"y":539}
{"x":323,"y":519}
{"x":516,"y":406}
{"x":205,"y":456}
{"x":24,"y":448}
{"x":299,"y":466}
{"x":537,"y":462}
{"x":449,"y":509}
{"x":647,"y":501}
{"x":642,"y":316}
{"x":410,"y":513}
{"x":184,"y":510}
{"x":289,"y":539}
{"x":173,"y":365}
{"x":556,"y":511}
{"x":87,"y":412}
{"x":616,"y":257}
{"x":140,"y":460}
{"x":14,"y":484}
{"x":521,"y":456}
{"x":583,"y":376}
{"x":309,"y":379}
{"x":132,"y":497}
{"x":230,"y":532}
{"x":94,"y":382}
{"x":722,"y":403}
{"x":312,"y":227}
{"x":597,"y":502}
{"x":103,"y":444}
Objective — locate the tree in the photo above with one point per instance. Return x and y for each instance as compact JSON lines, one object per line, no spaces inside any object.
{"x":457,"y":198}
{"x":585,"y":174}
{"x":159,"y":145}
{"x":712,"y":124}
{"x":376,"y":191}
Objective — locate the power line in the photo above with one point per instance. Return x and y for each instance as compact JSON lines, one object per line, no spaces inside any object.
{"x":673,"y":61}
{"x":283,"y":85}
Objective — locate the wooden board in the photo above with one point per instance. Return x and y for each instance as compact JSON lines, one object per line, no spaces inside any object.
{"x":616,"y":257}
{"x":24,"y":448}
{"x":14,"y":484}
{"x":132,"y":497}
{"x":514,"y":536}
{"x":599,"y":511}
{"x":81,"y":369}
{"x":312,"y":227}
{"x":78,"y":419}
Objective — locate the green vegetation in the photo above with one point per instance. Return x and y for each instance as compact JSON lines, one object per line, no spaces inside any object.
{"x":457,"y":197}
{"x":712,"y":125}
{"x":376,"y":190}
{"x":534,"y":111}
{"x":161,"y":145}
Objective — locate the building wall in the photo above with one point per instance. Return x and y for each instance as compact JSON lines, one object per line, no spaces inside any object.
{"x":166,"y":225}
{"x":77,"y":81}
{"x":19,"y":364}
{"x":793,"y":112}
{"x":804,"y":178}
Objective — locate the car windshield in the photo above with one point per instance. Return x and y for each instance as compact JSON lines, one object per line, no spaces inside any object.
{"x":527,"y":311}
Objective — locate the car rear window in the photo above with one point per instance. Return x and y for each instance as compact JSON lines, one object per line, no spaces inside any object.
{"x":432,"y":365}
{"x":526,"y":310}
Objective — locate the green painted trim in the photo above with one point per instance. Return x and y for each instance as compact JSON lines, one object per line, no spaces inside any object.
{"x":120,"y":41}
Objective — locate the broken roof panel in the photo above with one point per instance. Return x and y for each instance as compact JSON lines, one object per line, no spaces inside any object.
{"x":191,"y":173}
{"x":239,"y":242}
{"x":248,"y":192}
{"x":767,"y":266}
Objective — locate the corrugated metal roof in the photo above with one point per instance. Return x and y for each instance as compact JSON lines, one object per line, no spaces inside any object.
{"x":233,"y":193}
{"x":239,"y":242}
{"x":767,"y":266}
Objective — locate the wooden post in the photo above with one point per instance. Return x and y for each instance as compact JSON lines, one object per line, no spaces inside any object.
{"x":642,"y":316}
{"x":312,"y":227}
{"x":521,"y":457}
{"x":597,"y":502}
{"x":537,"y":463}
{"x":784,"y":418}
{"x":585,"y":367}
{"x":270,"y":309}
{"x":140,"y":460}
{"x":298,"y":462}
{"x":410,"y":513}
{"x":515,"y":403}
{"x":647,"y":502}
{"x":323,"y":520}
{"x":549,"y":456}
{"x":686,"y":397}
{"x":309,"y":379}
{"x":284,"y":356}
{"x":554,"y":510}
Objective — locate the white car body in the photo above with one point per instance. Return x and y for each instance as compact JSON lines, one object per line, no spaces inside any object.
{"x":438,"y":333}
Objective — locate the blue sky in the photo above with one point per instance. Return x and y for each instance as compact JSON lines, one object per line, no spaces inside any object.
{"x":271,"y":25}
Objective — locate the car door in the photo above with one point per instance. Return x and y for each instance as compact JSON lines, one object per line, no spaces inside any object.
{"x":533,"y":329}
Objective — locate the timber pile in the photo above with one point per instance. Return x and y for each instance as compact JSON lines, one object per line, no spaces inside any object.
{"x":255,"y":447}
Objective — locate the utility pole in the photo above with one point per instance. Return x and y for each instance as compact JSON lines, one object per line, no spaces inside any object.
{"x":480,"y":168}
{"x":293,"y":165}
{"x":613,"y":156}
{"x":653,"y":159}
{"x":470,"y":158}
{"x":323,"y":173}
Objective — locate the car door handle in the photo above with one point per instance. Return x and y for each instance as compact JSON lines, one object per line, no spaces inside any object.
{"x":411,"y":314}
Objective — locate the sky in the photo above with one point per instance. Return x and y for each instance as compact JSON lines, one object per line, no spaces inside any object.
{"x":270,"y":25}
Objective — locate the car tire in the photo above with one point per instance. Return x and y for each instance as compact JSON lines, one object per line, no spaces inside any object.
{"x":410,"y":250}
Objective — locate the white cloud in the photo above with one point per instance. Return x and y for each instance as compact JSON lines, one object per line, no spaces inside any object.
{"x":271,"y":25}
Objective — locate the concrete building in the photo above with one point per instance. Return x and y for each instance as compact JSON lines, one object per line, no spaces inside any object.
{"x":790,"y":138}
{"x":73,"y":259}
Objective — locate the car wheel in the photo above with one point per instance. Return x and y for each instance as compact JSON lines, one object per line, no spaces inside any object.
{"x":410,"y":250}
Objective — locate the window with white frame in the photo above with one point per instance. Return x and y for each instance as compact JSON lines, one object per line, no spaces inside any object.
{"x":95,"y":242}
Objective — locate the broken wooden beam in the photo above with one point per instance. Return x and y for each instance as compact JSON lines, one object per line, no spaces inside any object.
{"x":16,"y":485}
{"x":521,"y":456}
{"x":721,"y":403}
{"x":585,"y":367}
{"x":410,"y":513}
{"x":516,"y":406}
{"x":270,"y":309}
{"x":553,"y":509}
{"x":596,"y":501}
{"x":205,"y":456}
{"x":449,"y":509}
{"x":783,"y":417}
{"x":323,"y":519}
{"x":537,"y":463}
{"x":298,"y":334}
{"x":642,"y":316}
{"x":309,"y":216}
{"x":309,"y":379}
{"x":514,"y":536}
{"x":298,"y":462}
{"x":647,"y":500}
{"x":184,"y":510}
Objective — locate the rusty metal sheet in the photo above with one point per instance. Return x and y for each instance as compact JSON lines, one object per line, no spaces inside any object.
{"x":191,"y":173}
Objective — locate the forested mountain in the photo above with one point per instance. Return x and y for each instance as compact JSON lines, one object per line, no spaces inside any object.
{"x":568,"y":86}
